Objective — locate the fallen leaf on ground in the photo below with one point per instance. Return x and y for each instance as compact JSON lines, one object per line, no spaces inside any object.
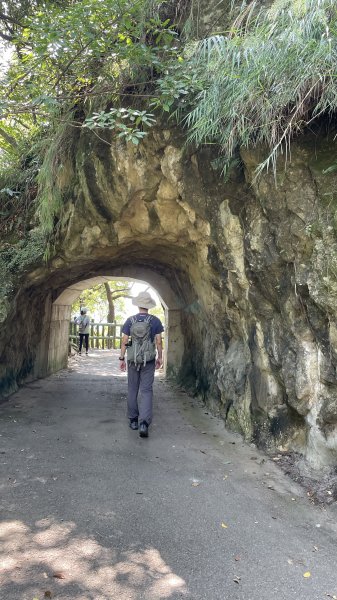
{"x":237,"y":579}
{"x":224,"y":525}
{"x":237,"y":558}
{"x":59,"y":575}
{"x":307,"y":574}
{"x":195,"y":483}
{"x":47,"y":594}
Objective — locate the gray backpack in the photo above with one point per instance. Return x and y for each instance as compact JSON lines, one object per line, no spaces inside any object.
{"x":142,"y":349}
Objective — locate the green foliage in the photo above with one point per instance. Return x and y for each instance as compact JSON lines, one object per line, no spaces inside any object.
{"x":158,"y":312}
{"x":174,"y":85}
{"x":64,"y":49}
{"x":56,"y":150}
{"x":18,"y":188}
{"x":15,"y":260}
{"x":126,"y":122}
{"x":330,"y":169}
{"x":95,"y":299}
{"x":270,"y":76}
{"x":24,"y":254}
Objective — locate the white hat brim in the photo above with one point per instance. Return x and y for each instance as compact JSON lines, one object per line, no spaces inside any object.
{"x":144,"y":301}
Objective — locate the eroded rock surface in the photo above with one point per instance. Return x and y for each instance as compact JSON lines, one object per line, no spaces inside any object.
{"x":252,"y":265}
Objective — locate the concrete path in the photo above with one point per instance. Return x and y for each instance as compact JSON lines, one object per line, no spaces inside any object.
{"x":90,"y":511}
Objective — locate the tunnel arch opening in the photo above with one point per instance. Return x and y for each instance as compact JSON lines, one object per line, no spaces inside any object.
{"x":109,"y":302}
{"x":54,"y":346}
{"x":173,"y":271}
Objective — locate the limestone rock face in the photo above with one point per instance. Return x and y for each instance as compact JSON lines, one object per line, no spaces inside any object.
{"x":252,"y":266}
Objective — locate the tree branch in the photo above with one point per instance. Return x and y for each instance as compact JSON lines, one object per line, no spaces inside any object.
{"x":9,"y":19}
{"x":8,"y":38}
{"x":9,"y":139}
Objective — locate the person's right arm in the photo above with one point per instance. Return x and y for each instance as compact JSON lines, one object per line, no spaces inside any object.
{"x":124,"y":341}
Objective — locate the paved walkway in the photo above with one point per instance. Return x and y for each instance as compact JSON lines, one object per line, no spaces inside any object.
{"x":90,"y":511}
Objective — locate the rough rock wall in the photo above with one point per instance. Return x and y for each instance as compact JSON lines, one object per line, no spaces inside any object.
{"x":253,"y":263}
{"x":290,"y":251}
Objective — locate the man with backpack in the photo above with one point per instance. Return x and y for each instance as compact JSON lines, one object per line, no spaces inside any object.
{"x":142,"y":340}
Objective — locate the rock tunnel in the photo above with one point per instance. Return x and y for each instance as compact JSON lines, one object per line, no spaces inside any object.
{"x":237,"y":264}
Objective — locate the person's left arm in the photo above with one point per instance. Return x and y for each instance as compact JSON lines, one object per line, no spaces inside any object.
{"x":159,"y":346}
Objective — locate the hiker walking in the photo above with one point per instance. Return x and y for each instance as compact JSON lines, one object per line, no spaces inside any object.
{"x":83,"y":323}
{"x":142,"y":341}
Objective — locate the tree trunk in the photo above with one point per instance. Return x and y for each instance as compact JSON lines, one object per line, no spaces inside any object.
{"x":111,"y":313}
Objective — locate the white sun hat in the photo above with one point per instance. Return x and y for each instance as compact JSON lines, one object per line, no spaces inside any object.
{"x":144,"y":300}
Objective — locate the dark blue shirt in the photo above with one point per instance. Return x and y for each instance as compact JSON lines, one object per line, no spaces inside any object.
{"x":155,"y":323}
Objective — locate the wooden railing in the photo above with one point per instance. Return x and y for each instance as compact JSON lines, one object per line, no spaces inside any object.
{"x":101,"y":335}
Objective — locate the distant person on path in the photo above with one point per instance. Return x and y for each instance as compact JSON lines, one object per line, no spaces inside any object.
{"x":83,"y":323}
{"x":144,"y":355}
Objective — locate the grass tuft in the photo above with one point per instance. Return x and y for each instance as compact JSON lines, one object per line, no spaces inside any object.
{"x":268,"y":78}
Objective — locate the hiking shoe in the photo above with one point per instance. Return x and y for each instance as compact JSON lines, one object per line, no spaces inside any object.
{"x":86,"y":353}
{"x":143,"y":429}
{"x":133,"y":424}
{"x":79,"y":353}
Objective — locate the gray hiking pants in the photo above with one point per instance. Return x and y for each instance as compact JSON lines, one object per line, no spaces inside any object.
{"x":140,"y":382}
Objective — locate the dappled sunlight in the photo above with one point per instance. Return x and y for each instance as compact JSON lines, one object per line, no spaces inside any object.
{"x":54,"y":535}
{"x":101,"y":363}
{"x":54,"y":557}
{"x":98,"y":363}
